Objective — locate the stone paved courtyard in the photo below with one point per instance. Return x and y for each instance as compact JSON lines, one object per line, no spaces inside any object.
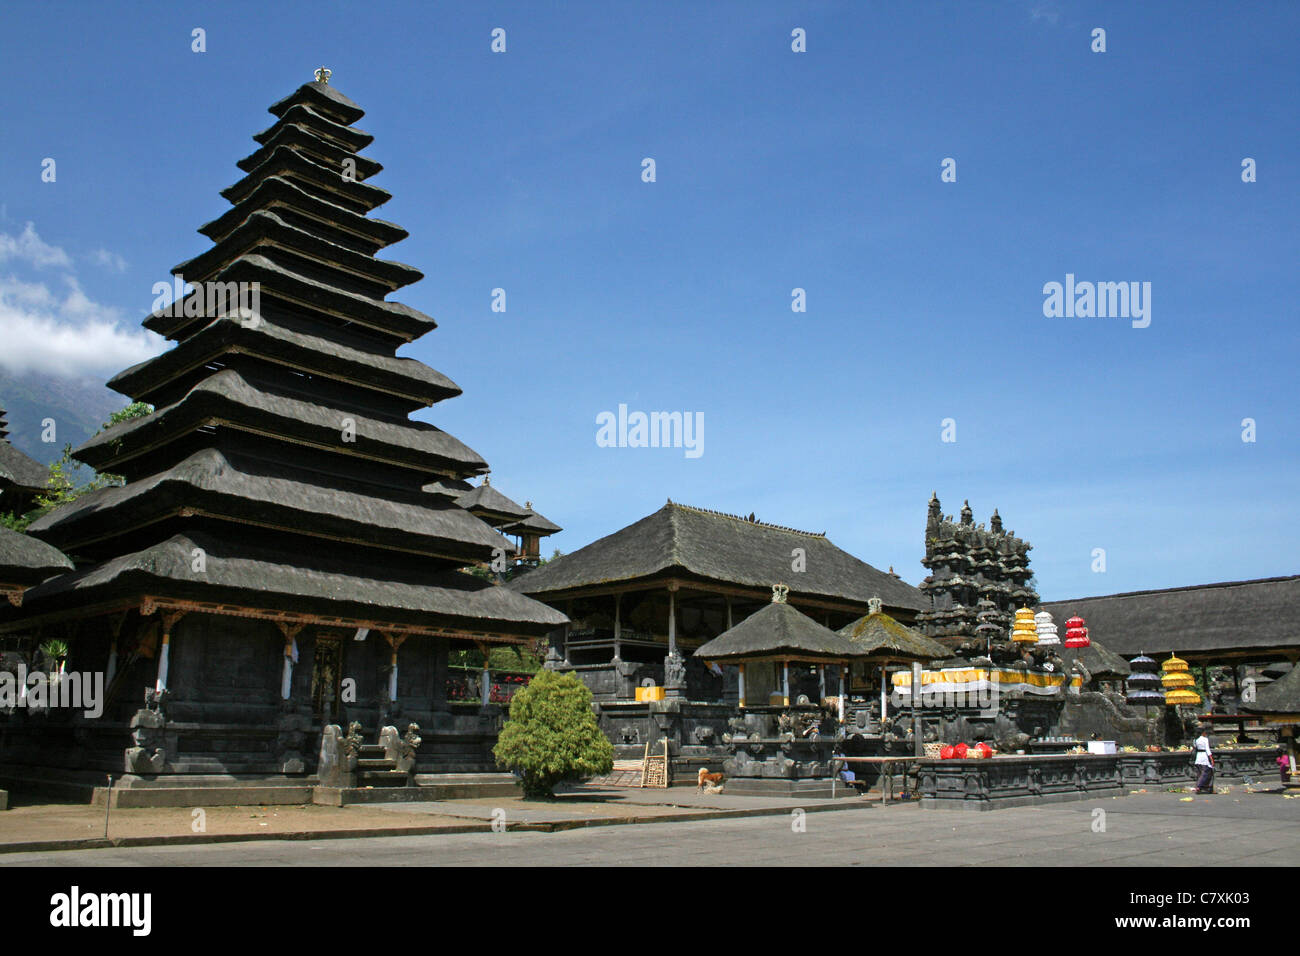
{"x":1238,"y":828}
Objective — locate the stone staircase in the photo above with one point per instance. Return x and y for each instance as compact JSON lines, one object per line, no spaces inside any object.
{"x":374,"y":769}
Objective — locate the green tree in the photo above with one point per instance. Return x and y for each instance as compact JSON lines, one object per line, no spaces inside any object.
{"x":552,"y":735}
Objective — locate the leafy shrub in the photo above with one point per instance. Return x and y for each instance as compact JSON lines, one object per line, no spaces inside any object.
{"x":552,"y":735}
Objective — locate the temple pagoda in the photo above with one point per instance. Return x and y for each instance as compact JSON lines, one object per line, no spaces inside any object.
{"x":274,"y":562}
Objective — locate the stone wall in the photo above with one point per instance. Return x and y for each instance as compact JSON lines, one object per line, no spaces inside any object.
{"x":1020,"y":781}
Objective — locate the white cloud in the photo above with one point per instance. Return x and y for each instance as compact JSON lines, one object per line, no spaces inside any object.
{"x":109,"y":260}
{"x":66,"y":334}
{"x":28,"y":247}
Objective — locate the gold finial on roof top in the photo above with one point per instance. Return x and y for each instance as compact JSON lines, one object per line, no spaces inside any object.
{"x":323,"y":75}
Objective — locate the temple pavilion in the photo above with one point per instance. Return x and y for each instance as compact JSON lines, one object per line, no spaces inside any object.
{"x":765,"y":644}
{"x":644,"y":598}
{"x":279,"y":556}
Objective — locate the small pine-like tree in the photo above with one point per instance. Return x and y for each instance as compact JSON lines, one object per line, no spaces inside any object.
{"x":552,"y":735}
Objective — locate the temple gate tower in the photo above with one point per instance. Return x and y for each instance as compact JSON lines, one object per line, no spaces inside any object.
{"x":968,"y":564}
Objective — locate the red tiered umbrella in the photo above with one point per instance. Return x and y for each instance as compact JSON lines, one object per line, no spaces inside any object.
{"x":1076,"y":634}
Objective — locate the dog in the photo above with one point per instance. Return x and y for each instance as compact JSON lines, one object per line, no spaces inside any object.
{"x":709,"y":782}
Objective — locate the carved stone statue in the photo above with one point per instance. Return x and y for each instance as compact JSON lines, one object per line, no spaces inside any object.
{"x":674,"y":671}
{"x":147,"y":756}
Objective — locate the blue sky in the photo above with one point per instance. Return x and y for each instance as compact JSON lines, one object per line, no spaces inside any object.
{"x":775,"y":170}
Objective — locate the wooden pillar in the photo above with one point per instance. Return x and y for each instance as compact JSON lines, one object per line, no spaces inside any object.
{"x":290,"y":632}
{"x":785,"y":681}
{"x":729,"y":624}
{"x":844,"y":690}
{"x":884,"y":695}
{"x":568,"y":612}
{"x":394,"y":643}
{"x":485,"y":679}
{"x":741,"y":687}
{"x":618,"y":627}
{"x":115,"y":626}
{"x":169,"y":620}
{"x":672,"y":620}
{"x":821,"y":683}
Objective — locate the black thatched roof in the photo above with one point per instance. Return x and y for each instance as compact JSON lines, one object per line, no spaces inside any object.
{"x":448,"y":488}
{"x":533,"y":524}
{"x":25,"y":561}
{"x":778,"y":630}
{"x":367,"y":233}
{"x":256,"y":577}
{"x":401,"y":322}
{"x":724,"y":549}
{"x":322,"y":98}
{"x":21,"y":471}
{"x":299,"y":251}
{"x":302,"y":115}
{"x":1280,"y":697}
{"x":287,"y":163}
{"x":491,"y":505}
{"x":1100,"y":660}
{"x":879,"y":636}
{"x":315,"y":143}
{"x":229,"y":399}
{"x":1202,"y":620}
{"x":156,"y":379}
{"x":208,"y":482}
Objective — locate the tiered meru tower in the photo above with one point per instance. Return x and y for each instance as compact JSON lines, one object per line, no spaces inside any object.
{"x":272,"y":558}
{"x":969,"y":564}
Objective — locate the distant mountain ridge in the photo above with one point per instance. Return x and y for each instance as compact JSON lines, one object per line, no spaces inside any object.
{"x":79,"y":407}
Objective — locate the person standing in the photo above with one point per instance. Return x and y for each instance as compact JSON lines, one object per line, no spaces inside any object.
{"x":1204,"y":762}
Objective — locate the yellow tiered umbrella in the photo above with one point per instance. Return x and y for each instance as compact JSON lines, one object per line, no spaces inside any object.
{"x":1024,"y":630}
{"x":1177,"y":680}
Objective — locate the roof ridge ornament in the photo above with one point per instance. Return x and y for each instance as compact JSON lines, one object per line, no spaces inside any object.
{"x":323,"y":75}
{"x":779,"y":593}
{"x":875,"y":605}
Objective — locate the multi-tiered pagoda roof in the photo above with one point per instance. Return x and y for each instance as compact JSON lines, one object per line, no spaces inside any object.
{"x":280,"y":447}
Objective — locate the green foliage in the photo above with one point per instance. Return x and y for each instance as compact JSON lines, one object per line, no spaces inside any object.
{"x":15,"y":522}
{"x":505,"y":658}
{"x":53,"y":651}
{"x":134,"y":410}
{"x":552,"y":735}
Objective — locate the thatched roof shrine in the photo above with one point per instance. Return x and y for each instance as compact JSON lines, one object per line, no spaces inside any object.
{"x":778,"y":632}
{"x":880,"y":637}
